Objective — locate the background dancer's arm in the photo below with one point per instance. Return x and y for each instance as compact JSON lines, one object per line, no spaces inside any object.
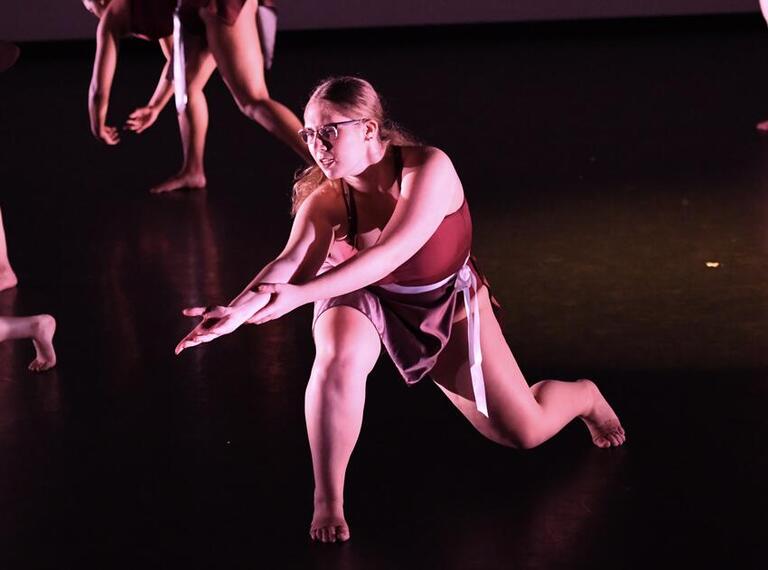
{"x":104,"y":65}
{"x":144,"y":117}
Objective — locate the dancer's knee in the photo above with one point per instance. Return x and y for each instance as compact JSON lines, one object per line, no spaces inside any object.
{"x":253,"y":105}
{"x":338,"y":369}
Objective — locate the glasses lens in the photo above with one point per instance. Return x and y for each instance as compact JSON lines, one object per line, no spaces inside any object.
{"x":329,"y":132}
{"x":307,"y":135}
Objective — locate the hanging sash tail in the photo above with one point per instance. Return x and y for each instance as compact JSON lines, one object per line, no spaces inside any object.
{"x":266,"y":19}
{"x":179,"y":63}
{"x":466,"y":284}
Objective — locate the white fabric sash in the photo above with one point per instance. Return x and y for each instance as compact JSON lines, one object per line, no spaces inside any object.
{"x":179,"y":67}
{"x":466,"y":282}
{"x":267,"y":22}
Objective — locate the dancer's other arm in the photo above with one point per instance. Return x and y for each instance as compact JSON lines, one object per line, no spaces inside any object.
{"x":424,"y":202}
{"x":301,"y":258}
{"x":105,"y":61}
{"x":144,"y":117}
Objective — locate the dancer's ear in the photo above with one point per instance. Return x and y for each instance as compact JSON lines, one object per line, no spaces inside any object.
{"x":371,"y":129}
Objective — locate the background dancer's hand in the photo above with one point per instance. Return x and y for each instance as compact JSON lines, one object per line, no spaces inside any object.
{"x":141,"y":119}
{"x":106,"y":134}
{"x":285,"y":297}
{"x":217,"y":321}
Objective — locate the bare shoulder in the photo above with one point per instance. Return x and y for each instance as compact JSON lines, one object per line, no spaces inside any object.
{"x":426,"y":156}
{"x":429,"y":167}
{"x":323,"y":204}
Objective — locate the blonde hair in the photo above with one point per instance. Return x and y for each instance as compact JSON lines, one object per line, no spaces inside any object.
{"x":354,"y":97}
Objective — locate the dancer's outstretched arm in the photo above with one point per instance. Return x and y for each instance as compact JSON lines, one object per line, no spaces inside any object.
{"x":424,"y":201}
{"x":105,"y":61}
{"x":144,"y":117}
{"x":301,"y":258}
{"x":764,"y":9}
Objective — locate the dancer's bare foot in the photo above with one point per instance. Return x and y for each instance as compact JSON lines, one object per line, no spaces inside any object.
{"x":44,"y":327}
{"x":762,"y":126}
{"x":328,"y":523}
{"x":179,"y":182}
{"x":602,"y":421}
{"x":7,"y":279}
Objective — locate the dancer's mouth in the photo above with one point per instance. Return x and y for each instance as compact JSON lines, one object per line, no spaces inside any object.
{"x":326,"y":162}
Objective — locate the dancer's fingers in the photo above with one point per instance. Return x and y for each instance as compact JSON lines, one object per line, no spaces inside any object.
{"x":193,"y":311}
{"x":267,"y":288}
{"x":191,"y":341}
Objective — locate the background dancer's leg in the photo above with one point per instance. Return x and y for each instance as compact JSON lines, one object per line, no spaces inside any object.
{"x":237,"y":52}
{"x":40,"y":328}
{"x":193,"y":122}
{"x":7,"y":276}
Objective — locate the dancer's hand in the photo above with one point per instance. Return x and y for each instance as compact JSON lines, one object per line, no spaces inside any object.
{"x":141,"y":119}
{"x":285,"y":298}
{"x":106,"y":134}
{"x":217,"y":321}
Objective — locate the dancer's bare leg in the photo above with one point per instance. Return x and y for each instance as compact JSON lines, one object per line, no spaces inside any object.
{"x":7,"y":276}
{"x":520,"y":416}
{"x":762,"y":126}
{"x":237,"y":52}
{"x":193,"y":122}
{"x":347,"y":347}
{"x":40,"y":328}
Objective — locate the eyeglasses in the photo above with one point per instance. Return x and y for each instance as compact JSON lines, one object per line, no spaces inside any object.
{"x":327,"y":132}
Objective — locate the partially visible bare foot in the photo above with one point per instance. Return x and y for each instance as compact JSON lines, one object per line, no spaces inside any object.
{"x":7,"y":279}
{"x":180,"y":181}
{"x":44,"y":328}
{"x":602,"y":421}
{"x":328,"y":523}
{"x":762,"y":126}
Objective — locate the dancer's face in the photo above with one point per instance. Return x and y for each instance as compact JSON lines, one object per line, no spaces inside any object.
{"x":96,"y":7}
{"x":338,"y":142}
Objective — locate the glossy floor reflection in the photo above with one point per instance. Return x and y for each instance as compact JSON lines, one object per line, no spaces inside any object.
{"x":605,"y":164}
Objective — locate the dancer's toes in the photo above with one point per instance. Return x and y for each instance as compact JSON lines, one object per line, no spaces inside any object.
{"x":45,"y":357}
{"x":329,"y":527}
{"x":181,"y":181}
{"x":603,"y":423}
{"x":331,"y":533}
{"x":41,"y":365}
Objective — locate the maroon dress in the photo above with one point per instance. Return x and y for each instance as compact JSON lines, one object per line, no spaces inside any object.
{"x":226,"y":10}
{"x":413,"y":327}
{"x":153,"y":19}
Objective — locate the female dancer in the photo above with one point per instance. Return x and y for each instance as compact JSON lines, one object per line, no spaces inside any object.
{"x":40,"y":328}
{"x":7,"y":275}
{"x":217,"y":33}
{"x":763,"y":125}
{"x":380,"y":243}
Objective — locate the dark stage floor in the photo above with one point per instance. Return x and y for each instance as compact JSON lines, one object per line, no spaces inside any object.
{"x":605,"y":164}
